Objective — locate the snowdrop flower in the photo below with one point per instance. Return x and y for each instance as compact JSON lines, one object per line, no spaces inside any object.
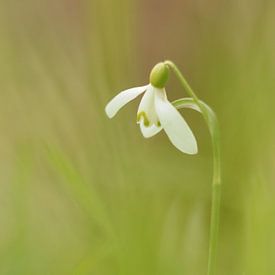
{"x":155,"y":112}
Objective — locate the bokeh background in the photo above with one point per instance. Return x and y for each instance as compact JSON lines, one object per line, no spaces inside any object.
{"x":81,"y":194}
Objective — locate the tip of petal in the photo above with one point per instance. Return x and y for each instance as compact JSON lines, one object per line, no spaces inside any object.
{"x":191,"y":151}
{"x":109,"y":113}
{"x":150,"y":131}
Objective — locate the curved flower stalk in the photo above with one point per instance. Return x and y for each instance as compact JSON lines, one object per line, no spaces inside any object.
{"x":213,"y":126}
{"x":155,"y":113}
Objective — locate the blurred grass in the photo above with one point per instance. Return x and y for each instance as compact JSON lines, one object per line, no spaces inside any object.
{"x":84,"y":195}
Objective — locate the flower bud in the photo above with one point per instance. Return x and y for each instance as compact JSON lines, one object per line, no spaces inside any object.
{"x":159,"y":75}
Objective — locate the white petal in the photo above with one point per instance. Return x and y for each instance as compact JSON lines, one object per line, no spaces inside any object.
{"x":174,"y":125}
{"x":121,"y":99}
{"x":150,"y":131}
{"x":147,"y":107}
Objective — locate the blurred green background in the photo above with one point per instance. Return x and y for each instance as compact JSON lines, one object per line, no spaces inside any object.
{"x":81,"y":194}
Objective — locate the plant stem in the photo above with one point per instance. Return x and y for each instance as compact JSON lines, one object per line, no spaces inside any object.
{"x":212,"y":123}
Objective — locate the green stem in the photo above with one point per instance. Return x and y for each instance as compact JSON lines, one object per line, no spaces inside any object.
{"x":212,"y":123}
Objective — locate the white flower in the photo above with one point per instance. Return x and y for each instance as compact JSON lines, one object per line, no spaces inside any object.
{"x":155,"y":113}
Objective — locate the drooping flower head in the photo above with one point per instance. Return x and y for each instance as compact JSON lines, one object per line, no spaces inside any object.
{"x":155,"y":112}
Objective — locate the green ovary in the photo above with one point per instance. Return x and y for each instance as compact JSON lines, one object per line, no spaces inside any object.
{"x":159,"y":75}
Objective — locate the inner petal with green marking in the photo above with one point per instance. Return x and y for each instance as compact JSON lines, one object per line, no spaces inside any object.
{"x":142,"y":117}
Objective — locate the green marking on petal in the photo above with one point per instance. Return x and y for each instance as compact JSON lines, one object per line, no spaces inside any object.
{"x":159,"y":124}
{"x":145,"y":119}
